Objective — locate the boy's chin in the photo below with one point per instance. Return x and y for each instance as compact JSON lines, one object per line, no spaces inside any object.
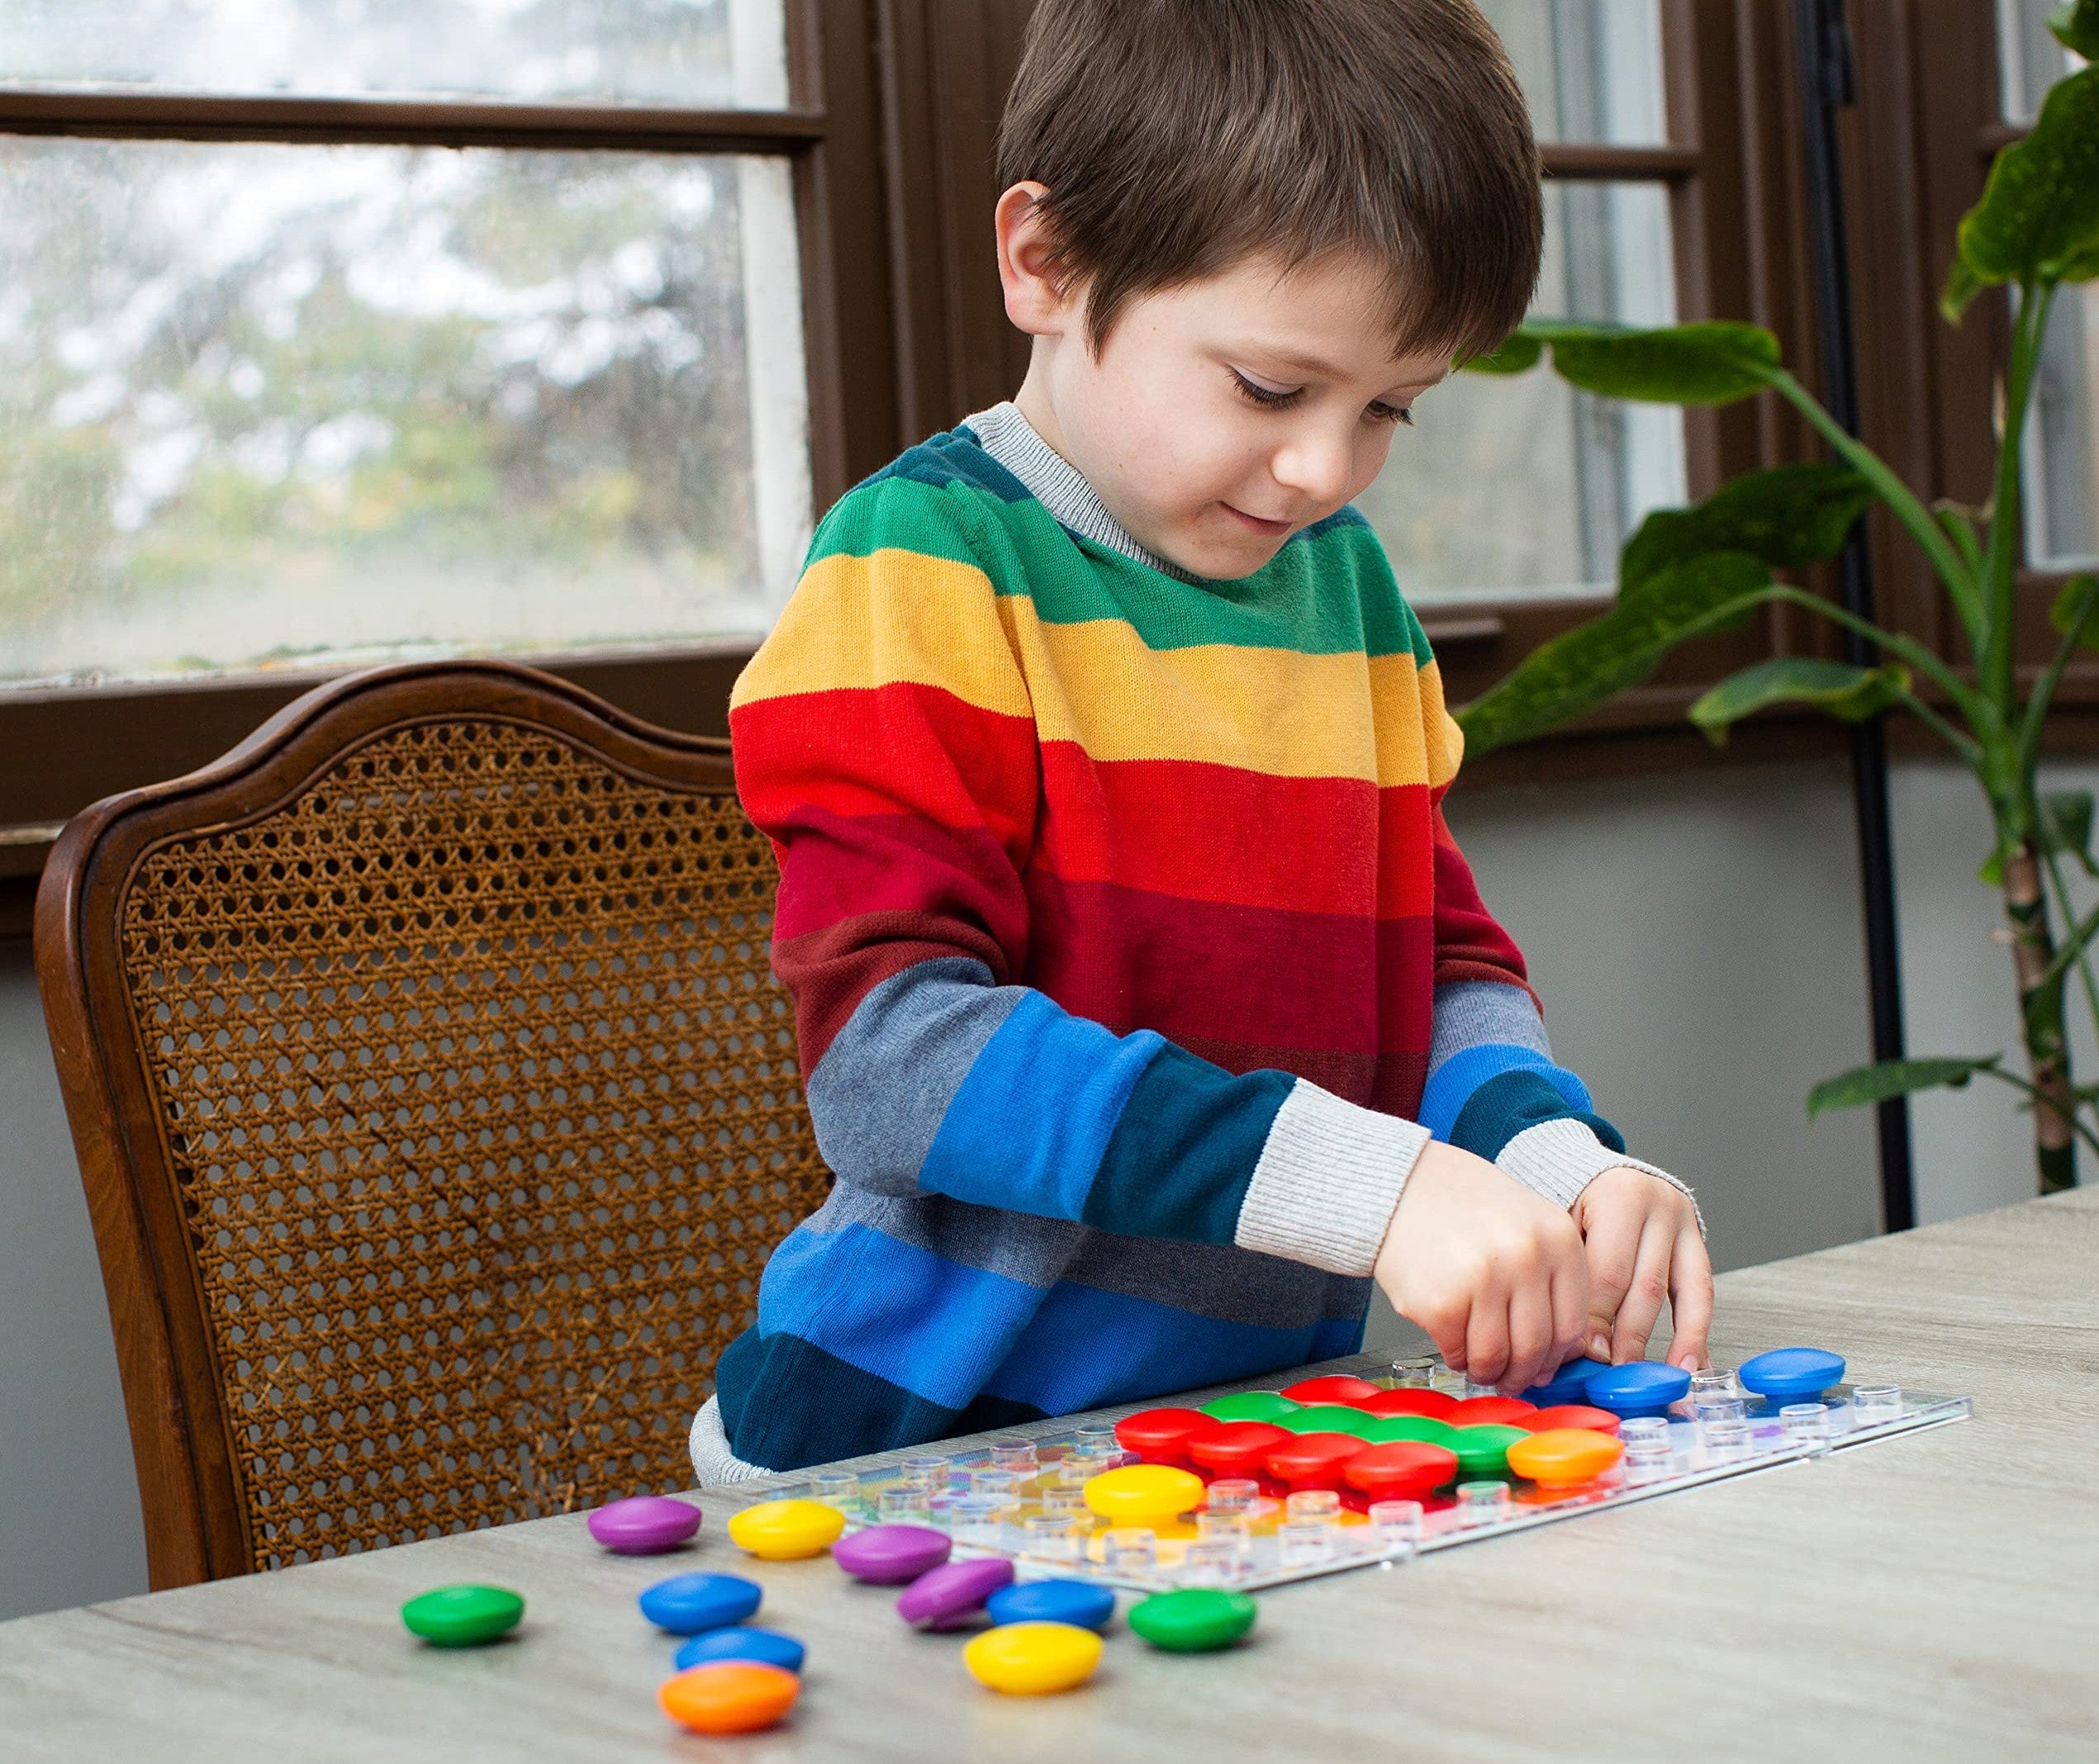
{"x":1221,"y":558}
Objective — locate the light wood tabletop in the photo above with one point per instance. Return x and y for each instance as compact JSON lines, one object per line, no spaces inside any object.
{"x":1933,"y":1596}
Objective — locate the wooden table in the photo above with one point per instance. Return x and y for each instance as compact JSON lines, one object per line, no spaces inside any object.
{"x":1931,"y":1597}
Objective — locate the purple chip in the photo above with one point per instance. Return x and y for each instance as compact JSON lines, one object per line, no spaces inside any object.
{"x":646,"y":1525}
{"x":890,"y":1555}
{"x":950,"y":1596}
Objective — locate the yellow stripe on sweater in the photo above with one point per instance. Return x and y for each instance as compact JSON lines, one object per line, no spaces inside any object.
{"x":896,"y":617}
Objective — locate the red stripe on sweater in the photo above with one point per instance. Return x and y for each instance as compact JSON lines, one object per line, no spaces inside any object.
{"x":1469,"y":945}
{"x":1237,"y":837}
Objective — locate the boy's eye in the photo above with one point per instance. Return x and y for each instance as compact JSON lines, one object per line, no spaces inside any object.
{"x":1381,"y":412}
{"x":1267,"y":396}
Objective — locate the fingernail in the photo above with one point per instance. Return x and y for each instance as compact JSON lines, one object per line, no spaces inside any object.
{"x":1599,"y":1347}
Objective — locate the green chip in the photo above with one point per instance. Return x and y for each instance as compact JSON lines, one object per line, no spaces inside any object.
{"x":1425,"y":1428}
{"x":1325,"y":1417}
{"x":463,"y":1616}
{"x":1249,"y":1406}
{"x":1482,"y":1451}
{"x":1193,"y":1620}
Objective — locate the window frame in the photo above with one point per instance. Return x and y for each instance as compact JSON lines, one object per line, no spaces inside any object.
{"x":894,"y":106}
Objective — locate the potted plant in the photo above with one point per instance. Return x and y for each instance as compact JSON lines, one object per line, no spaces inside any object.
{"x":1687,"y":573}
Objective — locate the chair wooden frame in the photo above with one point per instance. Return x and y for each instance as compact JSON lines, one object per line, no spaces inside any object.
{"x":182,"y":1432}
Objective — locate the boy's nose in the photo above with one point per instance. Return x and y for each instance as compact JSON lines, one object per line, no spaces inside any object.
{"x":1317,"y":470}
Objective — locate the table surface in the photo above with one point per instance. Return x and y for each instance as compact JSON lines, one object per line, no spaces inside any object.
{"x":1935,"y":1596}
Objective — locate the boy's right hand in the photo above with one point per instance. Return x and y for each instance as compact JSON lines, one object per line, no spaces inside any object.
{"x":1494,"y":1273}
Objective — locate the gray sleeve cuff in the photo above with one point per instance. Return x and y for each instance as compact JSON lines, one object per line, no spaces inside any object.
{"x":1558,"y":1158}
{"x":1329,"y":1178}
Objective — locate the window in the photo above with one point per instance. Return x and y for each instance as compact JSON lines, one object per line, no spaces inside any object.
{"x":1588,"y":470}
{"x":267,"y":402}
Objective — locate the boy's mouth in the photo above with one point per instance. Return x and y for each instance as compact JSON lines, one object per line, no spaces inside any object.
{"x":1272,"y":530}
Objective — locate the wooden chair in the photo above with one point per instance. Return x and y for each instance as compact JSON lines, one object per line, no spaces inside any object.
{"x":436,"y":1107}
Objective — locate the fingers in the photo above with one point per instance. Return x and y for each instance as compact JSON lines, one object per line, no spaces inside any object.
{"x":1448,"y":1330}
{"x":1643,"y":1299}
{"x":1530,"y":1336}
{"x":1690,"y":1300}
{"x":1486,"y":1340}
{"x":1614,"y":1250}
{"x":1570,"y":1302}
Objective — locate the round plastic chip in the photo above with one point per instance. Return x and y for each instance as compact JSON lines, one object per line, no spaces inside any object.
{"x":1409,"y":1400}
{"x":786,"y":1530}
{"x":1032,"y":1659}
{"x":891,"y":1555}
{"x":1313,"y":1460}
{"x":949,"y":1597}
{"x":1333,"y":1388}
{"x":463,"y":1616}
{"x":729,"y":1696}
{"x":1427,"y":1428}
{"x":1404,"y":1470}
{"x":1567,"y":1384}
{"x":1194,"y":1620}
{"x":1161,"y":1436}
{"x":686,"y":1604}
{"x":1641,"y":1387}
{"x":1237,"y":1447}
{"x":1790,"y":1374}
{"x":1502,"y":1411}
{"x":1325,"y":1417}
{"x":1072,"y":1602}
{"x":645,"y":1525}
{"x":1482,"y":1451}
{"x":1571,"y":1415}
{"x":1248,"y":1406}
{"x":1144,"y":1493}
{"x":1564,"y":1457}
{"x":767,"y":1646}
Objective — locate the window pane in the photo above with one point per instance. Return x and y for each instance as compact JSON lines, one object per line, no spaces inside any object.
{"x":2062,"y":461}
{"x":1590,"y":68}
{"x":707,"y":54}
{"x":264,"y":404}
{"x":1522,"y":485}
{"x":2029,"y":61}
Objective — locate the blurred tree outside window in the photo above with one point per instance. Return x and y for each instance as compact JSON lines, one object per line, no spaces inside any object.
{"x":267,"y":403}
{"x":1592,"y":71}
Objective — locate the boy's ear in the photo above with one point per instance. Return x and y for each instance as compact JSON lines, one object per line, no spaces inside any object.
{"x":1037,"y":301}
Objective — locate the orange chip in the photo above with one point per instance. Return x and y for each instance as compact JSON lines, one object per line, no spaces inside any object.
{"x":1564,"y":1457}
{"x":729,"y":1696}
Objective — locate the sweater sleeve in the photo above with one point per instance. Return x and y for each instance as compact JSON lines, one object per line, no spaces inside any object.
{"x":1494,"y":1088}
{"x":885,"y":743}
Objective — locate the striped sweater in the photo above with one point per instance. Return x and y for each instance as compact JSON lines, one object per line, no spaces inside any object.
{"x":1133,"y":962}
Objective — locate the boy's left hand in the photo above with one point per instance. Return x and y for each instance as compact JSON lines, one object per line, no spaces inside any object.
{"x":1642,"y":1240}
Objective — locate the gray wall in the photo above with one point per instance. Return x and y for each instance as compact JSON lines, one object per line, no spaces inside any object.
{"x":1697,"y":942}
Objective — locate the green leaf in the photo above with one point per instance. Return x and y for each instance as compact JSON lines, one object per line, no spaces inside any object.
{"x":1961,"y":286}
{"x":1592,"y":662}
{"x":1788,"y":516}
{"x":1835,"y":688}
{"x":2038,"y":217}
{"x":1710,"y":363}
{"x":1864,"y":1085}
{"x":2077,"y":28}
{"x":1519,"y":354}
{"x":2072,"y":604}
{"x":2063,"y":824}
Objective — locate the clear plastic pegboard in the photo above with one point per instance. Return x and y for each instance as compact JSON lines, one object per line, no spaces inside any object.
{"x":1024,"y":1498}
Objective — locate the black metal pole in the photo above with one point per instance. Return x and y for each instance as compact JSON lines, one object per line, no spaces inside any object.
{"x":1827,"y":87}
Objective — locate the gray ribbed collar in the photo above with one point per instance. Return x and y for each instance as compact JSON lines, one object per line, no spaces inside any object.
{"x":1055,"y":482}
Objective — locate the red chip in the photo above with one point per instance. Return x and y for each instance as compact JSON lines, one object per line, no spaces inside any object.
{"x":1161,"y":1436}
{"x":1334,"y":1388}
{"x":1402,"y":1469}
{"x":1497,"y":1412}
{"x":1313,"y":1460}
{"x":1436,"y":1404}
{"x":1235,"y":1447}
{"x":1571,"y":1415}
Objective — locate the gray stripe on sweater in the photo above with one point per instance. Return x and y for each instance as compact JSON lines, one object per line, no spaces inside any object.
{"x":883,"y":1086}
{"x":1470,"y":1013}
{"x":1211,"y":1280}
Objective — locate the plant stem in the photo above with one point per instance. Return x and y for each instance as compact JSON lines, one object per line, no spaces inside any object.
{"x":2070,"y":918}
{"x":2041,"y":1015}
{"x":2027,"y":1091}
{"x":1995,"y":654}
{"x":1901,"y":499}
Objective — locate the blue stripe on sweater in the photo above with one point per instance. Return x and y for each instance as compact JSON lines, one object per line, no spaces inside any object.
{"x":1031,"y":1124}
{"x":1450,"y":1086}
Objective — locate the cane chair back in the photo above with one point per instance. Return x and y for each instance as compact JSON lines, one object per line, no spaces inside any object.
{"x":436,"y":1107}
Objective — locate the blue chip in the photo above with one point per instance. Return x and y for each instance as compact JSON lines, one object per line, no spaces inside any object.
{"x":1079,"y":1602}
{"x":1569,"y":1384}
{"x":1643,"y":1387}
{"x":1788,"y":1375}
{"x":686,"y":1604}
{"x":767,"y":1646}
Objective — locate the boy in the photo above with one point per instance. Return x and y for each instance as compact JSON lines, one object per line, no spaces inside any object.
{"x":1147,"y":1011}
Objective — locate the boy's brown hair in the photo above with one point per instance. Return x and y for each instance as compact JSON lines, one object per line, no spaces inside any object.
{"x":1178,"y":138}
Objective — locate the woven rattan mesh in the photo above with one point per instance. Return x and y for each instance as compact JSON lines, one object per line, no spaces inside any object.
{"x":483,"y":1107}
